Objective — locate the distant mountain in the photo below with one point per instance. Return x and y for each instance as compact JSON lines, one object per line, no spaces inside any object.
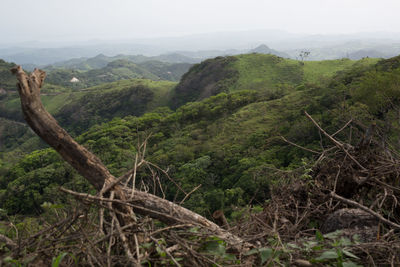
{"x":101,"y":60}
{"x":367,"y":53}
{"x":264,"y":49}
{"x":45,"y":56}
{"x":208,"y":45}
{"x":354,"y":50}
{"x":206,"y":54}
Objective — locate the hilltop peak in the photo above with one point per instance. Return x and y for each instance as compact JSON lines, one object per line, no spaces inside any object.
{"x":264,"y":49}
{"x":100,"y":56}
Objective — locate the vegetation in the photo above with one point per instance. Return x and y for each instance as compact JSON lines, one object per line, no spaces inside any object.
{"x":228,"y":142}
{"x":260,"y":72}
{"x":7,"y":82}
{"x":223,"y":137}
{"x":120,"y":69}
{"x":101,"y":61}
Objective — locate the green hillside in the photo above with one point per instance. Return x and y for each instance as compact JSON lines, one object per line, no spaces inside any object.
{"x":264,"y":73}
{"x":7,"y":81}
{"x":120,"y":69}
{"x":77,"y":110}
{"x":118,"y":99}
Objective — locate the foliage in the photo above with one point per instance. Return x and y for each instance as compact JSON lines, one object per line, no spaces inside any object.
{"x":227,"y":143}
{"x":118,"y":69}
{"x":7,"y":81}
{"x":203,"y":80}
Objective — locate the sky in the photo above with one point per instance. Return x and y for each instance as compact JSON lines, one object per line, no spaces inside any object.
{"x":81,"y":20}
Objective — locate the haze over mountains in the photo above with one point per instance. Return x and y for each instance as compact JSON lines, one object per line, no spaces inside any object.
{"x":195,"y":48}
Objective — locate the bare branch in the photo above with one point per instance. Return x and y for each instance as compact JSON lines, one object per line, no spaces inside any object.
{"x":358,"y":205}
{"x":337,"y":143}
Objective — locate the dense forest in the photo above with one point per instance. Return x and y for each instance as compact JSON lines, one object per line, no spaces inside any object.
{"x":239,"y":133}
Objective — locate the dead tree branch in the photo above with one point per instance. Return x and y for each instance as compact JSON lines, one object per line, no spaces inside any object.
{"x":358,"y":205}
{"x":336,"y":142}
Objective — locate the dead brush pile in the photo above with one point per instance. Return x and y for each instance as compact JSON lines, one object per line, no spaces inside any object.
{"x":343,"y":211}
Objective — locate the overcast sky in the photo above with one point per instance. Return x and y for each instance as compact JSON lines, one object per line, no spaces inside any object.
{"x":61,"y":20}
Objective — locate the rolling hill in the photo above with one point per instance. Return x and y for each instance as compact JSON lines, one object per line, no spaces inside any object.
{"x":116,"y":70}
{"x":260,"y":72}
{"x":79,"y":109}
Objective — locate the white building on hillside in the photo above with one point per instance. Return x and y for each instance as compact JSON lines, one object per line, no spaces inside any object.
{"x":74,"y":80}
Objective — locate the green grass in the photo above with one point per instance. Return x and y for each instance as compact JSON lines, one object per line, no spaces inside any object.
{"x":161,"y":89}
{"x":266,"y":72}
{"x":53,"y":103}
{"x":260,"y":72}
{"x":318,"y":72}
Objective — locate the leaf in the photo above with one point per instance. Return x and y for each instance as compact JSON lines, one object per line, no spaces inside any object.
{"x":291,"y":245}
{"x":266,"y":254}
{"x":330,"y":254}
{"x":310,"y":244}
{"x":349,"y":254}
{"x":345,"y":241}
{"x":251,"y":252}
{"x":56,"y":261}
{"x":194,"y":229}
{"x":356,"y":238}
{"x":333,"y":235}
{"x":319,"y":247}
{"x":146,"y":262}
{"x":230,"y":257}
{"x":147,"y":245}
{"x":319,"y":236}
{"x":350,"y":264}
{"x":160,"y":252}
{"x":215,"y":248}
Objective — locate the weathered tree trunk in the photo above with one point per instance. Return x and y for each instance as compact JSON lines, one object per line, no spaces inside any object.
{"x":91,"y":167}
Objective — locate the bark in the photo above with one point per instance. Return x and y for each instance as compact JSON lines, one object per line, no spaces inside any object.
{"x":91,"y":167}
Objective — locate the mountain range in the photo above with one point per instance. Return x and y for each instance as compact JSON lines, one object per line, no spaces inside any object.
{"x":201,"y":46}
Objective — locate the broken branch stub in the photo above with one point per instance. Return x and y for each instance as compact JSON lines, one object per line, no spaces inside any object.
{"x":90,"y":166}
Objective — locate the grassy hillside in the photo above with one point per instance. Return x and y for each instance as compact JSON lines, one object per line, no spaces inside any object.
{"x":264,"y":73}
{"x":118,"y":99}
{"x":321,"y":71}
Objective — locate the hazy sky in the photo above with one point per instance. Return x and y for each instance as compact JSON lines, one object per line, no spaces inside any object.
{"x":61,"y":20}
